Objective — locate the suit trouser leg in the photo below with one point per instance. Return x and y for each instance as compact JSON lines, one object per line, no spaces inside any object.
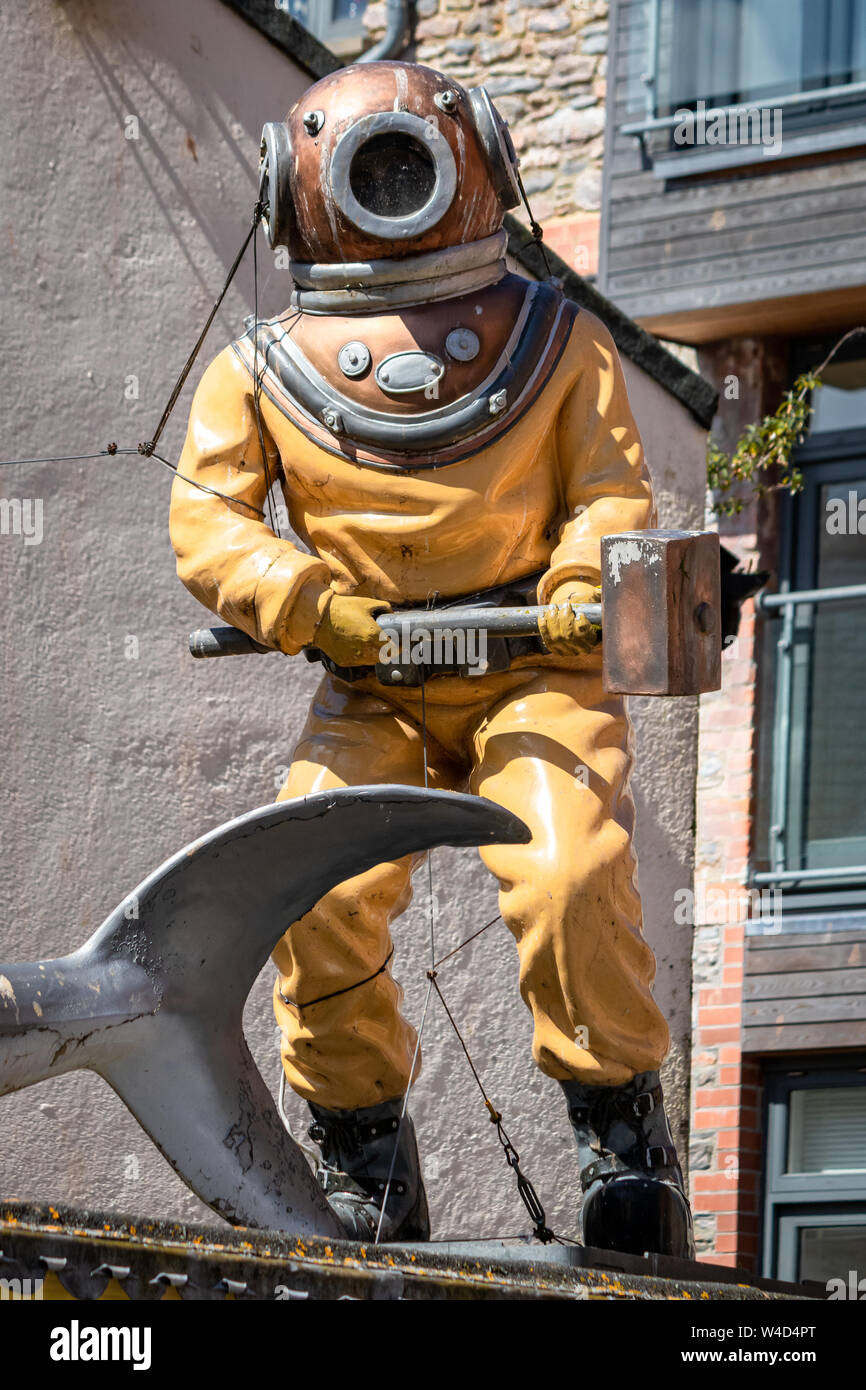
{"x":353,"y":1048}
{"x":556,"y":751}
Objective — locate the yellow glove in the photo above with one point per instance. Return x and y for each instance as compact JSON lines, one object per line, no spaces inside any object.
{"x":564,"y":632}
{"x":346,"y":631}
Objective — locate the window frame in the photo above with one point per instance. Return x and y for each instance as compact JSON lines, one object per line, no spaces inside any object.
{"x":340,"y":36}
{"x":834,"y":456}
{"x":806,"y":87}
{"x":791,"y":1201}
{"x":817,"y":118}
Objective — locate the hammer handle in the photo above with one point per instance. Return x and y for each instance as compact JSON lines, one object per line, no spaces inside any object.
{"x":501,"y":622}
{"x":223,"y":641}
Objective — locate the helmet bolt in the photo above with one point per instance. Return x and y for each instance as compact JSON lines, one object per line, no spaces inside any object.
{"x":447,"y":101}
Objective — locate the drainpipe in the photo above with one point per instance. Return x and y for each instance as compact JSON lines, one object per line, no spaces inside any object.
{"x":396,"y":33}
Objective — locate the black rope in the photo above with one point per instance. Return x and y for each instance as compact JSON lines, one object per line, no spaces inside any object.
{"x":535,"y":227}
{"x":257,"y":376}
{"x":112,"y":451}
{"x":525,"y":1189}
{"x":386,"y":1194}
{"x":431,"y":897}
{"x":431,"y":979}
{"x":148,"y":447}
{"x":473,"y":937}
{"x":193,"y":482}
{"x":68,"y":458}
{"x":345,"y":990}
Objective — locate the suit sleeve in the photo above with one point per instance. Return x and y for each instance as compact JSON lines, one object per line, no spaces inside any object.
{"x":227,"y":556}
{"x":605,"y":485}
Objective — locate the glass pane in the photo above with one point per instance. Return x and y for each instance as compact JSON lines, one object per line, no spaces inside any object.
{"x":722,"y":51}
{"x":829,"y":1252}
{"x":348,"y":10}
{"x":770,"y":50}
{"x":840,"y":404}
{"x":858,"y":44}
{"x":325,"y":18}
{"x":827,"y":1130}
{"x":300,"y":10}
{"x":836,"y":796}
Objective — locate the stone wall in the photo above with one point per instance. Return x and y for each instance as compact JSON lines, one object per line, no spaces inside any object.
{"x":545,"y":66}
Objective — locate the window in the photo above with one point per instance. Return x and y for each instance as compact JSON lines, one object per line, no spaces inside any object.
{"x":815,"y":1171}
{"x":726,"y":52}
{"x":813,"y":811}
{"x":336,"y":23}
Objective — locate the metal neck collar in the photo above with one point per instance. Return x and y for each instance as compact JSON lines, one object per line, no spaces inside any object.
{"x":356,"y":287}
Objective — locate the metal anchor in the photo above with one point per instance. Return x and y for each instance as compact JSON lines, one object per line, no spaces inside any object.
{"x":153,"y":1002}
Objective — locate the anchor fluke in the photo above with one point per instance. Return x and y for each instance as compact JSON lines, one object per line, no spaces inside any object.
{"x":153,"y":1002}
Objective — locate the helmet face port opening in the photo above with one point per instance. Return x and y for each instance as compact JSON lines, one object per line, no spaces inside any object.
{"x":392,"y":175}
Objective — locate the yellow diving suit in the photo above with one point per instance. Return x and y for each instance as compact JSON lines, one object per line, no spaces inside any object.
{"x":542,"y":738}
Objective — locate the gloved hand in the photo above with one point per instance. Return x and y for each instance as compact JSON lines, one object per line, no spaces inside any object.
{"x":347,"y":631}
{"x":564,"y":632}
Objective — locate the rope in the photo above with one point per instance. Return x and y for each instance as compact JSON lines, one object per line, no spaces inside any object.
{"x":114,"y":452}
{"x":402,"y":1120}
{"x":469,"y":939}
{"x":525,"y":1189}
{"x":148,"y":447}
{"x":431,"y":902}
{"x":535,"y":227}
{"x":257,"y":376}
{"x":345,"y":990}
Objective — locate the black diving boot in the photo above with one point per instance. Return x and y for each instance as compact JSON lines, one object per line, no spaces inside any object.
{"x":634,"y":1199}
{"x":357,"y":1148}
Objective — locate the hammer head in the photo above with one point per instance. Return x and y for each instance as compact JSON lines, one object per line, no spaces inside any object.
{"x":661,"y":612}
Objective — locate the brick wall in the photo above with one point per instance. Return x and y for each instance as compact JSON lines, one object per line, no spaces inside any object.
{"x":725,"y":1158}
{"x":726,"y":1136}
{"x":544,"y":63}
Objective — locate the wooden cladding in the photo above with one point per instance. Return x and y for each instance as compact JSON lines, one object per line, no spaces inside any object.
{"x":803,"y":992}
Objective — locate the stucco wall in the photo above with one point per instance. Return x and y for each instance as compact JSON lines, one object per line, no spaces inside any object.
{"x":117,"y":748}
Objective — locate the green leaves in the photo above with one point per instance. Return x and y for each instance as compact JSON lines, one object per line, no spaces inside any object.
{"x":764,"y":448}
{"x":767,"y":448}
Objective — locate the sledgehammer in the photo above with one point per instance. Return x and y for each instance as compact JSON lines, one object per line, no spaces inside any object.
{"x":659,"y":615}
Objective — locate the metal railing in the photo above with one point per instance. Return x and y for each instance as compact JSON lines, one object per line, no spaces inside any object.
{"x":784,"y":606}
{"x":815,"y":96}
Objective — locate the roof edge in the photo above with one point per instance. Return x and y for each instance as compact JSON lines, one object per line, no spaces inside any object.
{"x":646,"y":351}
{"x":288,"y":35}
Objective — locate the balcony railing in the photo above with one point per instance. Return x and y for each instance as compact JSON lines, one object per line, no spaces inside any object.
{"x":784,"y":605}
